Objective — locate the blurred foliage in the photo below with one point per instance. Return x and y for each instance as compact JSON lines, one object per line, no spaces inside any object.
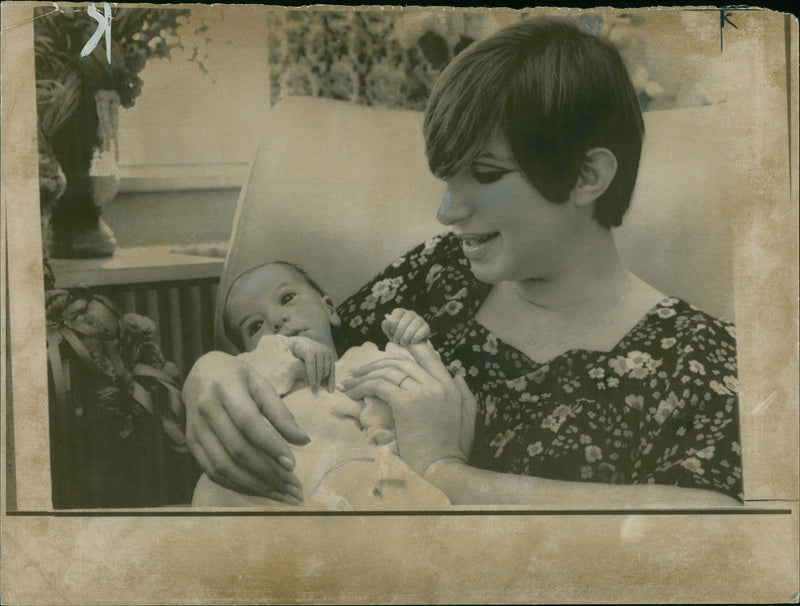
{"x":386,"y":58}
{"x":62,"y":75}
{"x":392,"y":58}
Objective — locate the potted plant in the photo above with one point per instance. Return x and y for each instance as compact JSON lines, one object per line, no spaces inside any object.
{"x":116,"y":416}
{"x":78,"y":101}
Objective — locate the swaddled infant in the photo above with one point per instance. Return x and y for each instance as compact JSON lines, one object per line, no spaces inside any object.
{"x":283,"y":321}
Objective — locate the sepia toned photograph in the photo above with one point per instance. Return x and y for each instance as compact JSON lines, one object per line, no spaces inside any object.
{"x":517,"y":285}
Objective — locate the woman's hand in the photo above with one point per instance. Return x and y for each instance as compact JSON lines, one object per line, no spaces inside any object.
{"x":434,"y":414}
{"x":237,"y":428}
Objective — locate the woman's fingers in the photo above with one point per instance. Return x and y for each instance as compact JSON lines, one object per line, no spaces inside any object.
{"x":402,"y":367}
{"x":382,"y":388}
{"x":223,"y":469}
{"x":204,"y":463}
{"x":272,"y":407}
{"x":428,"y":358}
{"x":244,"y":453}
{"x":390,"y":375}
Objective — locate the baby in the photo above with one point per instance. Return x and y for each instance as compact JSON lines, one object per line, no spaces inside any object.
{"x":284,"y":322}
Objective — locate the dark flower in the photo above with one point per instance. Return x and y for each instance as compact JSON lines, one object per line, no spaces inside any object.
{"x":56,"y":301}
{"x":172,"y":372}
{"x":100,"y":315}
{"x":138,"y":327}
{"x":149,"y":353}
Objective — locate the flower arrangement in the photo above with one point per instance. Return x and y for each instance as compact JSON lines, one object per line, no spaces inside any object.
{"x":114,"y":402}
{"x":59,"y":35}
{"x":130,"y":373}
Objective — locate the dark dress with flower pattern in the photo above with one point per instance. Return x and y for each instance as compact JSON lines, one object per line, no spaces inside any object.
{"x":660,"y":407}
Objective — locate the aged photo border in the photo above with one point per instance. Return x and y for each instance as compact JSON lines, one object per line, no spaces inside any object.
{"x":23,"y":275}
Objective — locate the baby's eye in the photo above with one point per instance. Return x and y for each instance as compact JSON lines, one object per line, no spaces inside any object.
{"x":254,"y":327}
{"x":287,"y":298}
{"x":487,"y":175}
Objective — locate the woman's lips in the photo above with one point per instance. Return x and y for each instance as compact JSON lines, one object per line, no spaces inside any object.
{"x":475,"y":246}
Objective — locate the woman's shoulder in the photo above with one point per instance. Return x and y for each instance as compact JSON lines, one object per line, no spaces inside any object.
{"x":679,"y":342}
{"x":441,"y":248}
{"x":675,"y":318}
{"x":433,"y":267}
{"x":675,"y":336}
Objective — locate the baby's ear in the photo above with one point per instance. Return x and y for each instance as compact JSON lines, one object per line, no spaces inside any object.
{"x":334,"y":317}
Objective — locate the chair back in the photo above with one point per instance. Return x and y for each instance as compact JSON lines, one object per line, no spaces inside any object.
{"x":343,"y":189}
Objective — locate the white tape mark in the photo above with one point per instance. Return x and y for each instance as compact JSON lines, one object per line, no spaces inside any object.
{"x":103,"y":27}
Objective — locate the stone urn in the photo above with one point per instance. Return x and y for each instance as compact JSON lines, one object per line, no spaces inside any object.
{"x":86,"y":147}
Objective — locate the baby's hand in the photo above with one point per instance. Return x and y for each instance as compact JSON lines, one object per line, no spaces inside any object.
{"x":405,"y":327}
{"x":319,"y":360}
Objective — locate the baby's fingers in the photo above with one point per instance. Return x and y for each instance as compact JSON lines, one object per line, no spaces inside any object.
{"x":331,"y":382}
{"x":417,"y":332}
{"x":389,"y":327}
{"x":311,"y":371}
{"x":390,"y":322}
{"x":323,"y":368}
{"x":402,"y":335}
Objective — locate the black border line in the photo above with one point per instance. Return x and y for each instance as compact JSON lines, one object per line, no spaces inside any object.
{"x":382,"y":513}
{"x":787,"y":42}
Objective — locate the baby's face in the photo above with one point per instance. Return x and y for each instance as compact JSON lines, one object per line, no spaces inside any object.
{"x":274,"y":299}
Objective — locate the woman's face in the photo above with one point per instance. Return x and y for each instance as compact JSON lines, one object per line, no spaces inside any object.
{"x":509,"y":231}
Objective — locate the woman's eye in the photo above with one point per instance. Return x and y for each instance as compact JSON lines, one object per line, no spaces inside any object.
{"x":287,"y":298}
{"x":488,"y":176}
{"x":254,"y":327}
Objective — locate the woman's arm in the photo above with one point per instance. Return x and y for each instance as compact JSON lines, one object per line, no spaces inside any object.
{"x":434,"y":419}
{"x":465,"y":485}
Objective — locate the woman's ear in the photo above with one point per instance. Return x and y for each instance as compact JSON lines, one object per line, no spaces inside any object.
{"x":334,"y":317}
{"x":597,"y":172}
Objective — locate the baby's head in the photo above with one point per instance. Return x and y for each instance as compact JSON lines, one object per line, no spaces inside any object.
{"x":277,"y":298}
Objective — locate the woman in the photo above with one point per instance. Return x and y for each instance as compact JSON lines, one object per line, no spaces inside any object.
{"x":588,"y":383}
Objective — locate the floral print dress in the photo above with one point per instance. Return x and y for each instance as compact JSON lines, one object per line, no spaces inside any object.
{"x":661,"y":407}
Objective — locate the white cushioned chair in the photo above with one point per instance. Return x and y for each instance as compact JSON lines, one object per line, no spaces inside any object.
{"x":342,"y":190}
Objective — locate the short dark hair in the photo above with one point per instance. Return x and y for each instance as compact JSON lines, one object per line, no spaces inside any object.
{"x":553,"y":91}
{"x":231,"y":334}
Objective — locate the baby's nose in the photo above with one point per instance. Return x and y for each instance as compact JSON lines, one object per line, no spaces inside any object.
{"x":276,"y":321}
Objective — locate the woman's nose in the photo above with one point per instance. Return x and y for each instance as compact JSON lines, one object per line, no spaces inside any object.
{"x":452,"y":208}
